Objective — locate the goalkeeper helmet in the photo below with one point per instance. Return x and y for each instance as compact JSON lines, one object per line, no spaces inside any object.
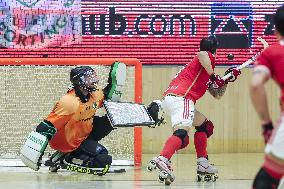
{"x":209,"y":44}
{"x":84,"y":77}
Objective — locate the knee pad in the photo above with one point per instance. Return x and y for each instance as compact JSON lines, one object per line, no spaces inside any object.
{"x":265,"y":181}
{"x":207,"y":127}
{"x":90,"y":154}
{"x":182,"y":134}
{"x":185,"y":143}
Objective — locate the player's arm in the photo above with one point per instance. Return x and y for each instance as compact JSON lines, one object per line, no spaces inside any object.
{"x":216,"y":86}
{"x":258,"y":93}
{"x":205,"y":61}
{"x":217,"y":92}
{"x":263,"y":42}
{"x":261,"y":75}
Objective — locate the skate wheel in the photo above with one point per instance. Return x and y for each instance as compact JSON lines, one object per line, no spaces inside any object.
{"x":214,"y":178}
{"x":53,"y":169}
{"x":207,"y":178}
{"x":164,"y":174}
{"x":199,"y":178}
{"x":161,"y":179}
{"x":149,"y":168}
{"x":152,"y":165}
{"x":168,"y":181}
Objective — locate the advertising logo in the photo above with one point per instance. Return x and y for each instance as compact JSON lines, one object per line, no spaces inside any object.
{"x":39,"y":23}
{"x":232,"y":24}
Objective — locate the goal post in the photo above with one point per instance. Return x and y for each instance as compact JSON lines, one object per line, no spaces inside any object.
{"x":31,"y":86}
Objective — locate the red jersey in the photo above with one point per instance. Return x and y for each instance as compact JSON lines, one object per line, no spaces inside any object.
{"x":272,"y":59}
{"x":191,"y":81}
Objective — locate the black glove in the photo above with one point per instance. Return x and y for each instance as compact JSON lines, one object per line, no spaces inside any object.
{"x":267,"y":131}
{"x":153,"y":110}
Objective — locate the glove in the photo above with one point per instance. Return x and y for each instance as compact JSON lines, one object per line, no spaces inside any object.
{"x":234,"y":72}
{"x":267,"y":131}
{"x":155,"y":111}
{"x":216,"y":81}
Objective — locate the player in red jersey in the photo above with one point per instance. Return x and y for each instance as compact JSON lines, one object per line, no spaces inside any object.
{"x":270,"y":64}
{"x":179,"y":100}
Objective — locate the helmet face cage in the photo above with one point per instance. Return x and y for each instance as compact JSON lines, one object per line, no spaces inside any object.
{"x":84,"y":77}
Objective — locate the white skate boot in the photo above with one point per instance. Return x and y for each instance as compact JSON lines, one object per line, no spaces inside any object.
{"x":165,"y":171}
{"x":206,"y":171}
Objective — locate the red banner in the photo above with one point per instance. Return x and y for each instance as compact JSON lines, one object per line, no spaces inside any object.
{"x":155,"y":32}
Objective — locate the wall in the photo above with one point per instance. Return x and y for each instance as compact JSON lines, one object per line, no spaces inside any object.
{"x":237,"y":128}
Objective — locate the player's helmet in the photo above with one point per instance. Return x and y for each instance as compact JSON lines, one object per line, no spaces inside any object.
{"x":79,"y":75}
{"x":209,"y":44}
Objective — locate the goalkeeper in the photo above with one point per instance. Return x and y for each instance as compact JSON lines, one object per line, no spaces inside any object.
{"x":72,"y":128}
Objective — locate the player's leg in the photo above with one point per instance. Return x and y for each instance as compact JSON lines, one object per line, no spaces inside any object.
{"x":273,"y":168}
{"x":264,"y":180}
{"x":181,"y":112}
{"x":204,"y":129}
{"x":90,"y":151}
{"x":90,"y":154}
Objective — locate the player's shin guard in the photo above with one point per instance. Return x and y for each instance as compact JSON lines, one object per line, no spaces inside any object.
{"x":177,"y":141}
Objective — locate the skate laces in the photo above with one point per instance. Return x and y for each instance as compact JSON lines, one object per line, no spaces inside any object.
{"x":166,"y":162}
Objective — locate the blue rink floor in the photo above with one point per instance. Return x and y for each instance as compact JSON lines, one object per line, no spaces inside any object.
{"x":236,"y":171}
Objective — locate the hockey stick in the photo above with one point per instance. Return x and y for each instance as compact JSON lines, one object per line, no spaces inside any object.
{"x":249,"y":61}
{"x":245,"y":64}
{"x":54,"y":166}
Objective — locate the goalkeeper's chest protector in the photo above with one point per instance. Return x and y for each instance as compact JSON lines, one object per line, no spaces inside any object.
{"x":73,"y":120}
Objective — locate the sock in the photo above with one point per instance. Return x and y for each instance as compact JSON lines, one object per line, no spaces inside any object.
{"x":172,"y":145}
{"x":200,"y":143}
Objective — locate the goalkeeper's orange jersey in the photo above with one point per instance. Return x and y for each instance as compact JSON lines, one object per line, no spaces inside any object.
{"x":73,"y":120}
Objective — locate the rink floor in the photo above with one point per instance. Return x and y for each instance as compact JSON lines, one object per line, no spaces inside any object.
{"x":236,"y":171}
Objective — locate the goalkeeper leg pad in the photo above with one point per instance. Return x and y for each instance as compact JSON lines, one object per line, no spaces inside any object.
{"x":33,"y":149}
{"x":90,"y":154}
{"x":116,"y":82}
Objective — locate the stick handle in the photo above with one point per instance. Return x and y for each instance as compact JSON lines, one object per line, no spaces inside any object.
{"x":249,"y":61}
{"x":245,"y":64}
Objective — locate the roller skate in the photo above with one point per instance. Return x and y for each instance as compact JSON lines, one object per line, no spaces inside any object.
{"x":54,"y":161}
{"x":165,"y":171}
{"x":206,"y":171}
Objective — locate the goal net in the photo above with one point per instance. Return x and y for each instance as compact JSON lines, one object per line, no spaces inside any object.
{"x":30,"y":88}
